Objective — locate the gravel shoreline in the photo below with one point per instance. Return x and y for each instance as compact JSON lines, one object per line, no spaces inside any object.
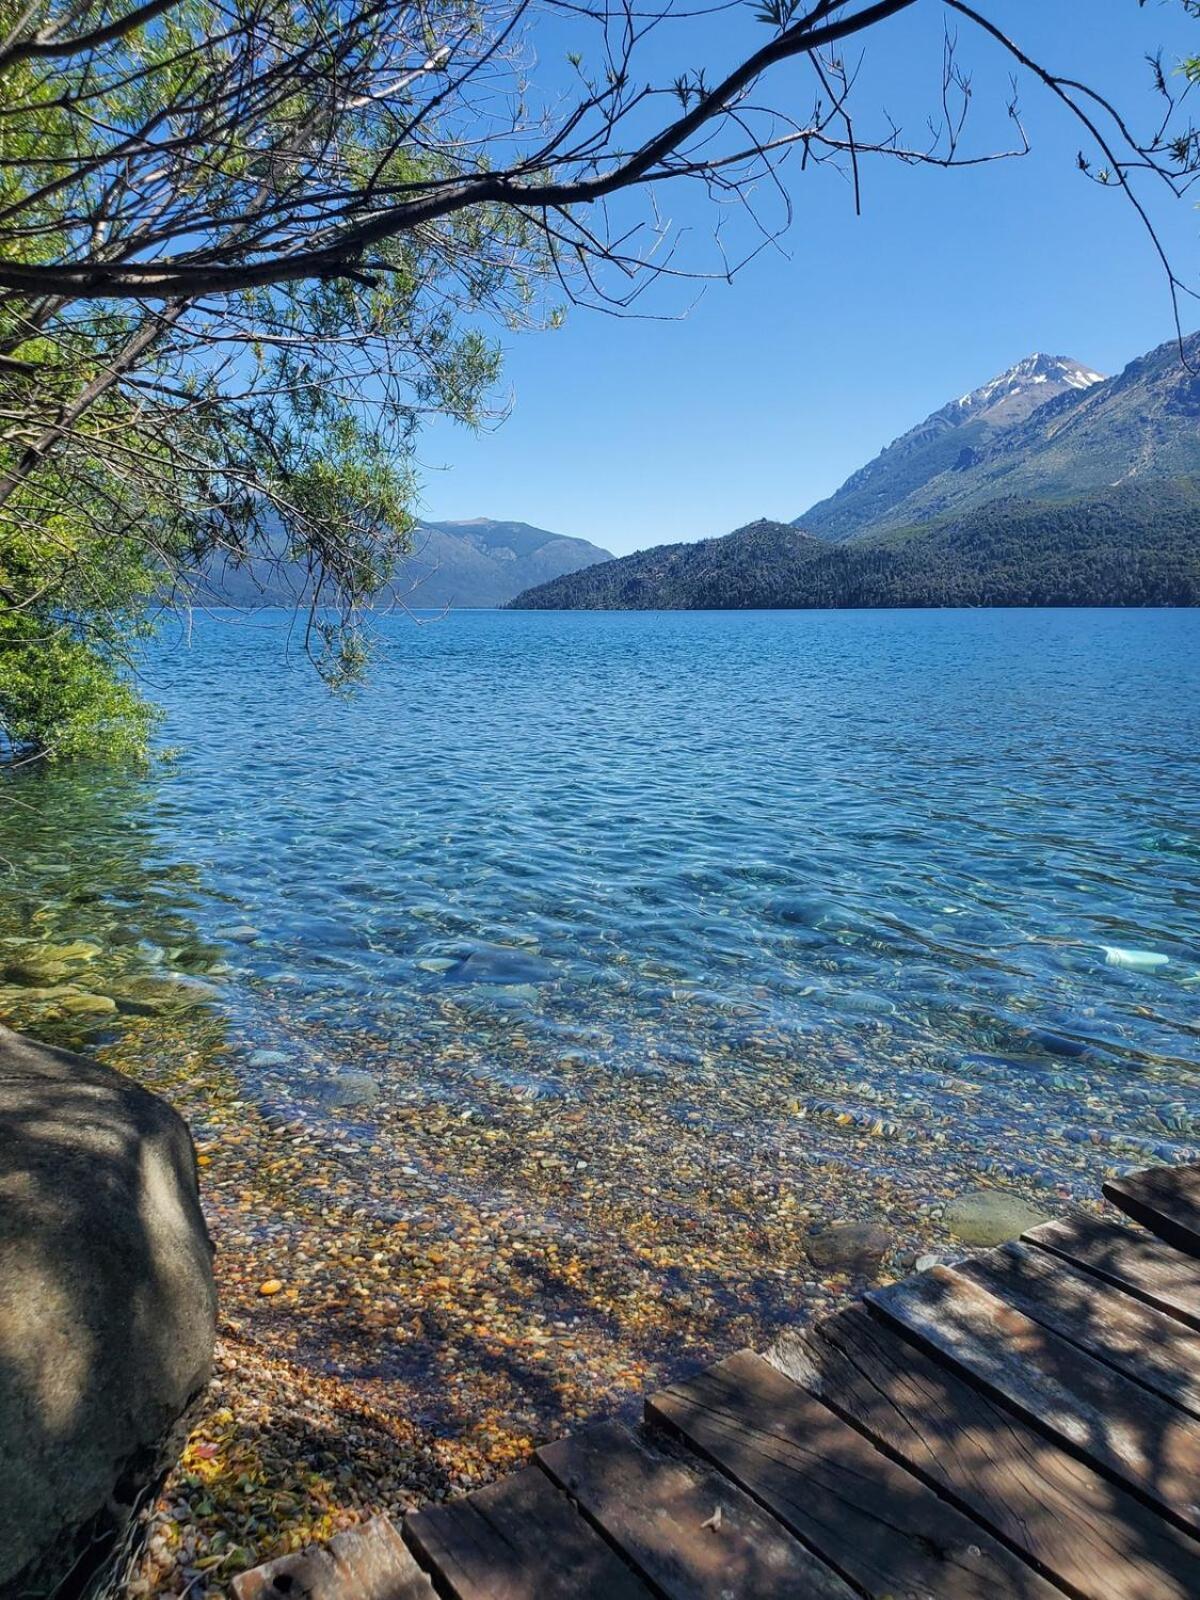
{"x":280,"y":1458}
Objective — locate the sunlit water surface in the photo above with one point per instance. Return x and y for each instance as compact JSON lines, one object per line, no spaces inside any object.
{"x":772,"y":920}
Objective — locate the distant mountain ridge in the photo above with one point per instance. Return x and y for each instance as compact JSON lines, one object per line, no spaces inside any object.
{"x":1088,"y":497}
{"x":480,"y":562}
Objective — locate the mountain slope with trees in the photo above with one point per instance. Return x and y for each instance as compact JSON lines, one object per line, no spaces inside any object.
{"x":716,"y":574}
{"x":1135,"y":545}
{"x":1088,"y":499}
{"x":958,"y":432}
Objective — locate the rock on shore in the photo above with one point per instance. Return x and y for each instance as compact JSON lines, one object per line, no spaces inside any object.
{"x":857,"y":1248}
{"x":107,"y":1308}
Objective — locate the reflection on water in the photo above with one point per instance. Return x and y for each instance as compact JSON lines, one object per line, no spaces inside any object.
{"x":572,"y":973}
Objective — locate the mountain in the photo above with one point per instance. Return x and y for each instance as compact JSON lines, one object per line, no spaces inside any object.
{"x":887,"y":490}
{"x":1091,"y":498}
{"x":712,"y":574}
{"x":1134,"y":545}
{"x":1142,"y":424}
{"x":474,"y":563}
{"x":486,"y":563}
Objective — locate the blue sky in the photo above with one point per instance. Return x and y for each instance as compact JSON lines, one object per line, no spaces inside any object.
{"x":765,"y":394}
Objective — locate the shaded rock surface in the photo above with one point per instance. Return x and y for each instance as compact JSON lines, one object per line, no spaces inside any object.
{"x":107,"y":1309}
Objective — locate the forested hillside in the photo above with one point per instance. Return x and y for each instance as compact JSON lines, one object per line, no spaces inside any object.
{"x":1133,"y":545}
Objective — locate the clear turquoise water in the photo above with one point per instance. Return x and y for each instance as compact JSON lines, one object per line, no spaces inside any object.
{"x":898,"y":832}
{"x":750,"y":898}
{"x":908,"y":835}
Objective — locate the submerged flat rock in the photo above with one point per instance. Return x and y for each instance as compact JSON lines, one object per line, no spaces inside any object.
{"x":857,"y":1248}
{"x":349,"y":1090}
{"x":499,"y":964}
{"x":155,"y":993}
{"x":988,"y":1217}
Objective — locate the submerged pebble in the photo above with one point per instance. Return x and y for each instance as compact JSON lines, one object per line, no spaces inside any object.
{"x":932,"y":1258}
{"x":268,"y":1058}
{"x":351,"y":1089}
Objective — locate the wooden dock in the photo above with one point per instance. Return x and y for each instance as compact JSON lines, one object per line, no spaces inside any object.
{"x":1025,"y":1423}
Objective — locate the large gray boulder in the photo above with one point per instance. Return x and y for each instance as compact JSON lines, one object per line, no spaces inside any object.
{"x":107,"y":1310}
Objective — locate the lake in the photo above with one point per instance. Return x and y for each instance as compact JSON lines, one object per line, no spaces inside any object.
{"x":533,"y":1004}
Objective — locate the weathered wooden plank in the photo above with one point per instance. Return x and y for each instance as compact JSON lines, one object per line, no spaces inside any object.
{"x":371,"y":1562}
{"x":1097,"y":1539}
{"x":1116,"y":1425}
{"x":887,"y":1533}
{"x":519,"y":1539}
{"x":1164,"y":1199}
{"x":1133,"y":1261}
{"x":691,"y":1532}
{"x":1144,"y":1344}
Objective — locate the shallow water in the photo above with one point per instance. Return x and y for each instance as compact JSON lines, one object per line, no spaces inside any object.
{"x":663,"y":939}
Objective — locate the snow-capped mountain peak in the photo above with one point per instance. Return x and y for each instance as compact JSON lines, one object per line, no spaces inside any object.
{"x":950,"y":437}
{"x":1006,"y":400}
{"x":1024,"y":387}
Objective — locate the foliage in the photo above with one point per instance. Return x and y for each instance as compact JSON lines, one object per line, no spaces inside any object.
{"x":66,"y":698}
{"x":140,"y":446}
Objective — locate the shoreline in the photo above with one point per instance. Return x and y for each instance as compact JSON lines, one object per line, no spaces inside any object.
{"x":286,"y":1453}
